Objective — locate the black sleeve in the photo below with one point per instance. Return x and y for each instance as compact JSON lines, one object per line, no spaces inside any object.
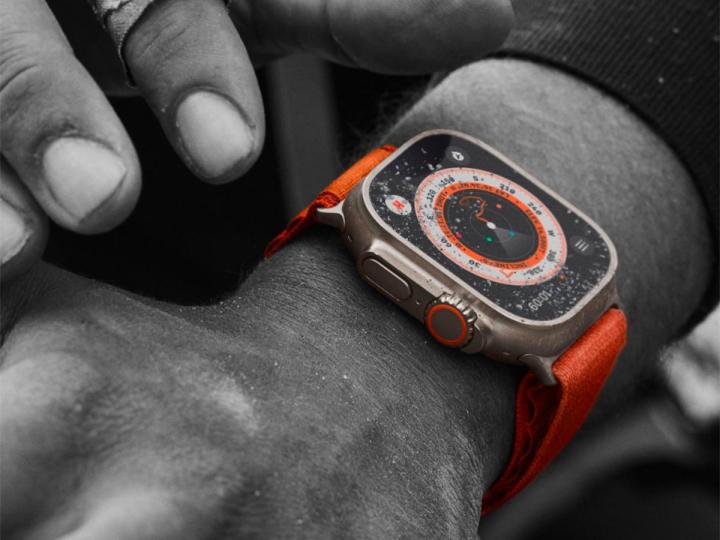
{"x":660,"y":57}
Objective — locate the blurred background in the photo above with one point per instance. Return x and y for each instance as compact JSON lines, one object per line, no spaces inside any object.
{"x":651,"y":473}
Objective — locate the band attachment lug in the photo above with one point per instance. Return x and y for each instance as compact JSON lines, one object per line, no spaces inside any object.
{"x":541,"y":366}
{"x":332,"y":216}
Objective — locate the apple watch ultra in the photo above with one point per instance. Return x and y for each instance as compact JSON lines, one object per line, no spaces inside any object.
{"x":492,"y":262}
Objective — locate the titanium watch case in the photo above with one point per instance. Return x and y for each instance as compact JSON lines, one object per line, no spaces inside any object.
{"x":415,"y":282}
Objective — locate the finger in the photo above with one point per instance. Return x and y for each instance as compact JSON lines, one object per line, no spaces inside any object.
{"x":190,"y":63}
{"x":23,"y":227}
{"x":59,"y":132}
{"x":406,"y":36}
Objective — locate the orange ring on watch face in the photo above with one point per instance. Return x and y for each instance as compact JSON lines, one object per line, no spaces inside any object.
{"x":545,"y":258}
{"x":532,"y":260}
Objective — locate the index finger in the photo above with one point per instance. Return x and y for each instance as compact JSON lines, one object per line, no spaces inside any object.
{"x":60,"y":134}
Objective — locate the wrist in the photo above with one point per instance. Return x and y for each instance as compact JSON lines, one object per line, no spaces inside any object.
{"x":466,"y":401}
{"x":573,"y":151}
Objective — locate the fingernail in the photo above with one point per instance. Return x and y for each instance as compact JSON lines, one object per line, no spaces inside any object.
{"x":13,"y":232}
{"x":214,"y":133}
{"x":82,"y":174}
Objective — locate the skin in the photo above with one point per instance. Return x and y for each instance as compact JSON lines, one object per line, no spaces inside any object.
{"x":56,"y":65}
{"x":306,"y":405}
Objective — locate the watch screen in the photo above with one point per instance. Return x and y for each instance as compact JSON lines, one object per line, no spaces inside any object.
{"x":489,"y":225}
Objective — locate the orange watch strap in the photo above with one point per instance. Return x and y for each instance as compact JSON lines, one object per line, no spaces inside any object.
{"x":330,"y":196}
{"x":546,"y":417}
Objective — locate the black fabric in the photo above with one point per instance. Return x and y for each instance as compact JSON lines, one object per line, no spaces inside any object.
{"x":658,"y":56}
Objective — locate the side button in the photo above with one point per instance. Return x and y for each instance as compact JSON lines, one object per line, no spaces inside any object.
{"x":385,"y":279}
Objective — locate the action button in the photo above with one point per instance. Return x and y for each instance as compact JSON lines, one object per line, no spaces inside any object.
{"x":385,"y":279}
{"x":450,"y":321}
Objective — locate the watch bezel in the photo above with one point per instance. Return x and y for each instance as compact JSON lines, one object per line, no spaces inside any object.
{"x":457,"y":281}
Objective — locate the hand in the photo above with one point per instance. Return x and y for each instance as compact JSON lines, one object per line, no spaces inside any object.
{"x":127,"y":419}
{"x":66,"y":149}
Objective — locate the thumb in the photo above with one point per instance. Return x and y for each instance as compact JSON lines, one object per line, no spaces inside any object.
{"x":411,"y":36}
{"x":403,"y":36}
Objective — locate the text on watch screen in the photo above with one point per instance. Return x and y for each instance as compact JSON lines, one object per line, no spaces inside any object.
{"x":489,"y":225}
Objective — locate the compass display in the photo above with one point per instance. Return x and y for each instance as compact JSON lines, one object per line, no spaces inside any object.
{"x":495,"y":227}
{"x":491,"y":226}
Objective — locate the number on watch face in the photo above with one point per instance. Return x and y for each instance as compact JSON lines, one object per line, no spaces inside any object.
{"x":490,"y":226}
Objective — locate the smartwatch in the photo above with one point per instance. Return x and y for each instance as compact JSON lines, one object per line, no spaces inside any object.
{"x":493,"y":263}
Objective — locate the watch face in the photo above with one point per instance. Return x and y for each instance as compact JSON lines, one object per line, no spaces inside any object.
{"x":490,"y":226}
